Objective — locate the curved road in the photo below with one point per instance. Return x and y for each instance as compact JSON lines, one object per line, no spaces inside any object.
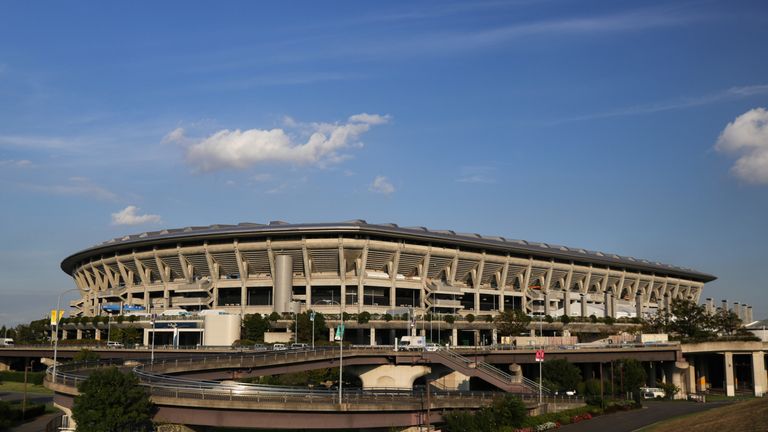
{"x":651,"y":413}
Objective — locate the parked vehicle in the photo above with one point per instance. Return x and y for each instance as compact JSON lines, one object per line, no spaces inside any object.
{"x":114,"y":344}
{"x":299,"y":346}
{"x":6,"y":342}
{"x":432,"y":347}
{"x":651,"y":392}
{"x":279,"y":347}
{"x":259,"y":347}
{"x":412,"y":343}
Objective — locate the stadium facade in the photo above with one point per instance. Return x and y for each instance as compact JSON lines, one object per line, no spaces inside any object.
{"x":277,"y":267}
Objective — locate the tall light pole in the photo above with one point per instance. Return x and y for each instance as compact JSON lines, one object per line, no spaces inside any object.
{"x":339,"y":337}
{"x":56,"y":330}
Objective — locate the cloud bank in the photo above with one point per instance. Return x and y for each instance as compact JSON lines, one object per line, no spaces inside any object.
{"x":323,"y":143}
{"x":747,"y":136}
{"x":128,"y":216}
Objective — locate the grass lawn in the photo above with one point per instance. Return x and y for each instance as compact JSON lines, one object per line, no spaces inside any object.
{"x":18,"y":387}
{"x":750,"y":415}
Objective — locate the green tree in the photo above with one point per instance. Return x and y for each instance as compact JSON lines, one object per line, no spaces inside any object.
{"x":112,"y":401}
{"x":726,"y":322}
{"x":512,"y":322}
{"x":508,"y":410}
{"x":564,"y":375}
{"x":691,"y":320}
{"x":632,"y":376}
{"x":254,"y":327}
{"x":305,"y":326}
{"x":129,"y":335}
{"x":32,"y":333}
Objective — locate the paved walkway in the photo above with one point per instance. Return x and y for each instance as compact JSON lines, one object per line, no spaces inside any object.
{"x":36,"y":425}
{"x":652,"y":412}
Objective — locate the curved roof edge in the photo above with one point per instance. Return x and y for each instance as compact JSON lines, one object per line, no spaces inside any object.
{"x":361,"y":226}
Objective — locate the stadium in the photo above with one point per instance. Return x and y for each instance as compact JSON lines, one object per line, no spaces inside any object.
{"x":281,"y":267}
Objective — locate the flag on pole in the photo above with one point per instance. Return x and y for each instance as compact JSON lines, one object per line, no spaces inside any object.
{"x":339,"y":332}
{"x":56,"y":316}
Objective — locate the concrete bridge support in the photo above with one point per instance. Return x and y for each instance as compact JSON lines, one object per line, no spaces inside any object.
{"x":454,"y":381}
{"x":390,"y":376}
{"x":454,"y":337}
{"x":758,"y":373}
{"x":583,"y":305}
{"x":730,"y":388}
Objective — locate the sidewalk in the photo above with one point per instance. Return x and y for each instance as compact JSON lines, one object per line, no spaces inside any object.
{"x":38,"y":424}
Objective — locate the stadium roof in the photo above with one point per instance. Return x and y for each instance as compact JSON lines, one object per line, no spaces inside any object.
{"x":246,"y":229}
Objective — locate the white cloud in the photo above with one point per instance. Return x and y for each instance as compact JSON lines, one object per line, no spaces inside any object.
{"x":372,"y":119}
{"x":381,"y":185}
{"x":23,"y":163}
{"x":128,"y":216}
{"x":175,"y":135}
{"x":477,"y":174}
{"x":747,"y":136}
{"x":324,"y":143}
{"x":79,"y":186}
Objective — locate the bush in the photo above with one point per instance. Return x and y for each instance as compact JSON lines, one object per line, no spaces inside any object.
{"x":16,"y":376}
{"x":549,"y":319}
{"x":450,"y":319}
{"x":593,"y":318}
{"x":363,"y":317}
{"x":11,"y":413}
{"x":470,"y":318}
{"x":274,"y":316}
{"x":609,"y":320}
{"x":120,"y":319}
{"x":488,"y":318}
{"x":387,"y":317}
{"x":565,"y":319}
{"x":243,"y":342}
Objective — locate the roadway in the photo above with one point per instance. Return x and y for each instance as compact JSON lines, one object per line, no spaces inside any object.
{"x":652,"y":412}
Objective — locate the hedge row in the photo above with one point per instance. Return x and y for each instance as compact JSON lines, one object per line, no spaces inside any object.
{"x":16,"y":376}
{"x":11,"y":413}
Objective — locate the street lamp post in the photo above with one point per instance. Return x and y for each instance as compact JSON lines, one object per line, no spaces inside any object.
{"x":56,"y":330}
{"x":340,"y":338}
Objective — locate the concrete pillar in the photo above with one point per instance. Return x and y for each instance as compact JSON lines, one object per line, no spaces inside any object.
{"x":546,"y":303}
{"x":679,"y":377}
{"x":749,"y":314}
{"x":583,"y":305}
{"x":710,"y":306}
{"x":494,"y":336}
{"x":607,"y":304}
{"x":476,"y":337}
{"x":283,"y":283}
{"x":639,"y":304}
{"x":97,"y":334}
{"x":517,"y":373}
{"x":331,"y":333}
{"x":652,"y":377}
{"x":4,"y":366}
{"x":737,"y":309}
{"x":730,"y":389}
{"x":390,"y":376}
{"x":691,"y":378}
{"x":373,"y":336}
{"x":567,"y":302}
{"x":454,"y":381}
{"x":454,"y":337}
{"x":758,"y":373}
{"x":725,"y":305}
{"x":667,"y":302}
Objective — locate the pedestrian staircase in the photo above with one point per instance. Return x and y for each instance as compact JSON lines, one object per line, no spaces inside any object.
{"x":485,"y":371}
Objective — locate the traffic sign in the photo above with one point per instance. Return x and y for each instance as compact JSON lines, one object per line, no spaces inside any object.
{"x":539,"y":355}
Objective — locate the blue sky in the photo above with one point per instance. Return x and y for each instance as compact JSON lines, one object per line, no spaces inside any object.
{"x":636,"y":128}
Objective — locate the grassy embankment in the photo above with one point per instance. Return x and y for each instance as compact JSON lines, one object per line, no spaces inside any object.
{"x":749,"y":415}
{"x":17,"y":387}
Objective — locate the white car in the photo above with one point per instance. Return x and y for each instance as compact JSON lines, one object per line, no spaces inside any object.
{"x":651,"y":392}
{"x":114,"y":344}
{"x":279,"y":347}
{"x":431,"y":347}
